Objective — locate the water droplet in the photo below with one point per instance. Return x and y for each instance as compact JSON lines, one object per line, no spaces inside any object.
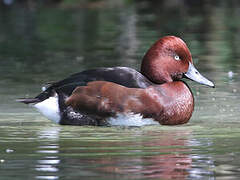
{"x":9,"y":150}
{"x":230,"y":74}
{"x":79,"y":58}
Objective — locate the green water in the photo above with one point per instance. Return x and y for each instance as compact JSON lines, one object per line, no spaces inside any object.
{"x":45,"y":42}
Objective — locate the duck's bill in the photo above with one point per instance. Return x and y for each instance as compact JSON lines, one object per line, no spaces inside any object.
{"x":194,"y":75}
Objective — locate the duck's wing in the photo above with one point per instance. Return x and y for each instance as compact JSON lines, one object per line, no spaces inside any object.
{"x":105,"y":99}
{"x":124,"y":76}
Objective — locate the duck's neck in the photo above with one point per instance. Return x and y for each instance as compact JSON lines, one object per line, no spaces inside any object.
{"x":155,"y":66}
{"x":154,"y":72}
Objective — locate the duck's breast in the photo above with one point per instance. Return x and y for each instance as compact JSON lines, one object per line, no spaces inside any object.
{"x":177,"y":103}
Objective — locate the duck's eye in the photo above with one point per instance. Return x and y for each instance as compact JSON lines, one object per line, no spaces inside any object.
{"x":176,"y":57}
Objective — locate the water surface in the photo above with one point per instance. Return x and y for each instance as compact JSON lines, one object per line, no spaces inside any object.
{"x":42,"y":43}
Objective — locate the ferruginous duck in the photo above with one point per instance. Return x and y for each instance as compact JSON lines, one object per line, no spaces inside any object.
{"x":93,"y":96}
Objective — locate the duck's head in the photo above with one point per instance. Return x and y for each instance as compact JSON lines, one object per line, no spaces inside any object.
{"x":169,"y":59}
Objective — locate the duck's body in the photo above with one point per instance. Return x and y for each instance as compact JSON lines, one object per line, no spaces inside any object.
{"x":51,"y":102}
{"x":169,"y":103}
{"x":90,"y":97}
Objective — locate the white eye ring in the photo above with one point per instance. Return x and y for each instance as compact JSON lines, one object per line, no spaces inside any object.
{"x":176,"y":57}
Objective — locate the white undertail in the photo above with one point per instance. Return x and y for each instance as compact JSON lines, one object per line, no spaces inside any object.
{"x":49,"y":108}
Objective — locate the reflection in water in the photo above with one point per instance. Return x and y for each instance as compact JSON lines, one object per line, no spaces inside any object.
{"x":166,"y":155}
{"x":46,"y":177}
{"x":50,"y":133}
{"x":202,"y":166}
{"x":49,"y":163}
{"x":201,"y":163}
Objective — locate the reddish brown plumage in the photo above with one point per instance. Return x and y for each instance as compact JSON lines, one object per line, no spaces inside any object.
{"x":156,"y":92}
{"x":158,"y":63}
{"x":169,"y":103}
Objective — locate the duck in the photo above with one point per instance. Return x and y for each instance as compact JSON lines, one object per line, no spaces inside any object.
{"x":156,"y":92}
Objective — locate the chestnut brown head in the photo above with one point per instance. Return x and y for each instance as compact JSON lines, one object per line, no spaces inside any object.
{"x":169,"y":59}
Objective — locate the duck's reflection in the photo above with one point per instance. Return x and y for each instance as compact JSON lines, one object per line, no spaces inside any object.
{"x":150,"y":154}
{"x":47,"y":166}
{"x":165,"y":156}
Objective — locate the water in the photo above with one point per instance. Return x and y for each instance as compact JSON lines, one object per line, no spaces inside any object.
{"x":44,"y":42}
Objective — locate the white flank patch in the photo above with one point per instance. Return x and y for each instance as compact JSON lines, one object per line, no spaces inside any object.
{"x":131,"y":119}
{"x":49,"y":108}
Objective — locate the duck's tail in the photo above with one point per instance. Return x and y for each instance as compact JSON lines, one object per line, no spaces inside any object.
{"x":28,"y":100}
{"x":41,"y":97}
